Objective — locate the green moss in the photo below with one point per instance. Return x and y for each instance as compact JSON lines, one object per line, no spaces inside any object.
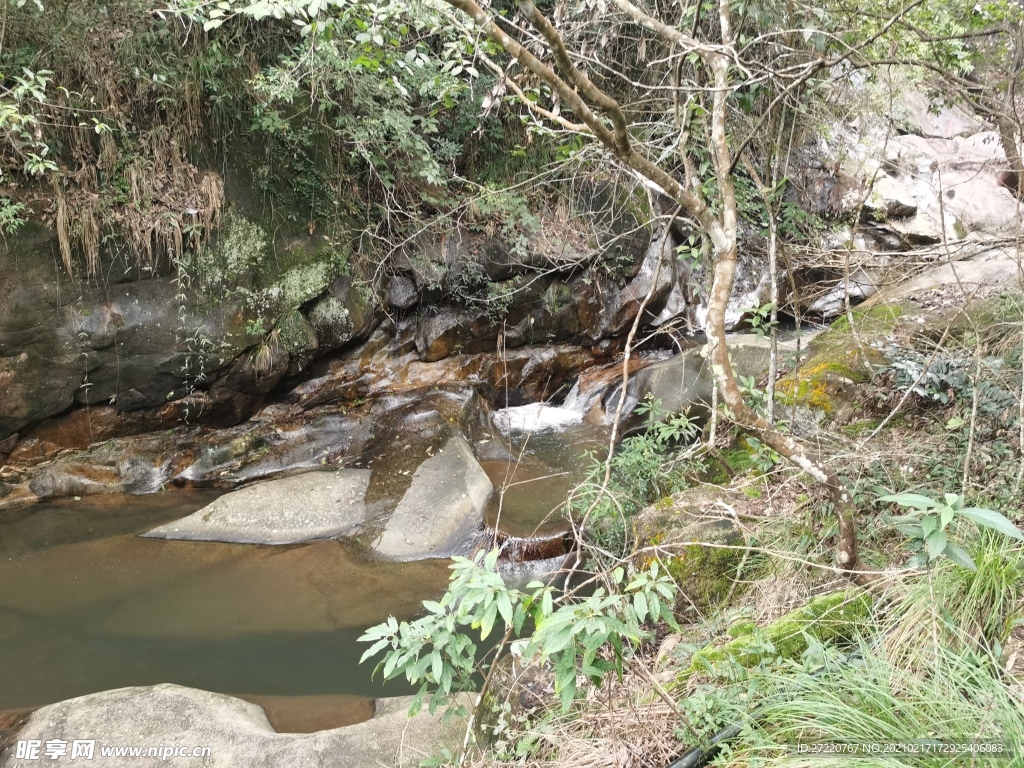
{"x":827,"y":619}
{"x":871,"y":319}
{"x":739,"y":458}
{"x":753,"y":493}
{"x":741,"y":629}
{"x":830,"y":367}
{"x":705,"y":574}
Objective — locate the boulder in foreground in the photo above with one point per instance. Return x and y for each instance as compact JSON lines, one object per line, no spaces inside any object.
{"x":232,"y":732}
{"x":442,"y":508}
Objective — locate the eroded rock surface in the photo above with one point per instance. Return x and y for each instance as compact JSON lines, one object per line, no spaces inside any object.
{"x":236,"y":732}
{"x":313,"y":505}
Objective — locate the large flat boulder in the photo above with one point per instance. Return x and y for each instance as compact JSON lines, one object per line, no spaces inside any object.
{"x":313,"y":505}
{"x":442,"y":507}
{"x":981,"y":203}
{"x":232,"y":732}
{"x":969,"y":274}
{"x":925,"y":117}
{"x":685,"y":380}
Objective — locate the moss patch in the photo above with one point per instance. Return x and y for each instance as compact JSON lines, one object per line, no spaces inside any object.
{"x":706,"y":574}
{"x":827,"y":619}
{"x":880,"y":318}
{"x":702,"y":551}
{"x":835,"y":362}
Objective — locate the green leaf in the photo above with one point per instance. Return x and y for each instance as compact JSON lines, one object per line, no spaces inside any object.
{"x":640,"y":606}
{"x":374,"y":649}
{"x":989,"y":518}
{"x":912,"y":500}
{"x":946,"y":516}
{"x":568,"y":690}
{"x":935,"y":543}
{"x":487,"y":622}
{"x":505,"y":607}
{"x":917,"y":561}
{"x":914,"y":530}
{"x":960,"y":557}
{"x":929,"y":525}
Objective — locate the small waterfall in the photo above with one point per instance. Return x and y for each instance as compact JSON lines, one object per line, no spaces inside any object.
{"x":582,"y":402}
{"x":538,"y":417}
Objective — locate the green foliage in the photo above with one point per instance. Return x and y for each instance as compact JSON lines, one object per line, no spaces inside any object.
{"x":376,"y":76}
{"x":760,"y":319}
{"x":10,"y":216}
{"x":665,"y":429}
{"x":437,"y":653}
{"x":930,"y":527}
{"x":19,"y":122}
{"x":965,"y":608}
{"x":870,"y":699}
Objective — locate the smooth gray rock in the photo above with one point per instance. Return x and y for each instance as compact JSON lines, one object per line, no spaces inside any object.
{"x":889,"y":199}
{"x":237,"y":732}
{"x":970,"y":274}
{"x":685,"y":380}
{"x":980,"y":203}
{"x":935,"y":120}
{"x":443,"y":506}
{"x":313,"y":505}
{"x":402,"y":293}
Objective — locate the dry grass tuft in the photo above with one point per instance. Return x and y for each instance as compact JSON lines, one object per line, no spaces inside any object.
{"x":624,"y":726}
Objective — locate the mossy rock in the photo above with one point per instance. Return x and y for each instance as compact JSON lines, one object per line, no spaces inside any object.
{"x":701,"y":550}
{"x":296,"y":333}
{"x":831,"y":618}
{"x":838,"y":359}
{"x":873,"y":320}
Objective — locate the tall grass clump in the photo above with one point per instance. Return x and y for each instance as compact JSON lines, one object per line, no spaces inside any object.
{"x":957,"y":608}
{"x":873,"y":700}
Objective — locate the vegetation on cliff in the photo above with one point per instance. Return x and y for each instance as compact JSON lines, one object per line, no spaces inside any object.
{"x":368,"y":127}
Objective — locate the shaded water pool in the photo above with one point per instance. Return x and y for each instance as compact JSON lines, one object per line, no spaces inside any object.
{"x":86,"y":605}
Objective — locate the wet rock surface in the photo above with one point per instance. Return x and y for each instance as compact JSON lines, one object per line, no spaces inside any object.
{"x":237,"y":732}
{"x":313,"y":505}
{"x":442,"y":507}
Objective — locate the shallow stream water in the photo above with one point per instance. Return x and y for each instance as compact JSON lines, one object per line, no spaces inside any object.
{"x":87,"y":605}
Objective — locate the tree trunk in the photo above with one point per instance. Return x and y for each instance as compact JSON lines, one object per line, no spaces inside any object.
{"x":576,"y":90}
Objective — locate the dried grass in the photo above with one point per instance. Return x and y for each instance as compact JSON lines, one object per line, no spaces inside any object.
{"x":624,"y":726}
{"x":63,"y":226}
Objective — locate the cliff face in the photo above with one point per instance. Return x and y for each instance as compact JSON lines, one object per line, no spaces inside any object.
{"x":273,"y":309}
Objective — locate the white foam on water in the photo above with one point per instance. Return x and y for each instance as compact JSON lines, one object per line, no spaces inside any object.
{"x":535,"y":417}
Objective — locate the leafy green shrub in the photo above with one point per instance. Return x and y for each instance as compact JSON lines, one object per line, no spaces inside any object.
{"x":929,"y":528}
{"x":579,"y":635}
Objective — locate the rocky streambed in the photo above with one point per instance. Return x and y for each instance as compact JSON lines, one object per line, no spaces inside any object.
{"x":199,"y":515}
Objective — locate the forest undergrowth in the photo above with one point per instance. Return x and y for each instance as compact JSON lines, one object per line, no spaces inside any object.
{"x":707,"y":601}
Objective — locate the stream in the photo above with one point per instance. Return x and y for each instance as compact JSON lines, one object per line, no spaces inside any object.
{"x":88,"y":605}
